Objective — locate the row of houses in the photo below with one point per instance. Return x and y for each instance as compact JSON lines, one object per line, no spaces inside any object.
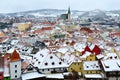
{"x":45,"y":62}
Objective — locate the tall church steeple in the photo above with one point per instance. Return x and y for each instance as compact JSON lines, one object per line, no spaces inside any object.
{"x":69,"y":14}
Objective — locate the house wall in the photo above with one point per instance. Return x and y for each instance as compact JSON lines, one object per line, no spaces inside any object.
{"x":53,"y":70}
{"x":15,"y":69}
{"x":91,"y":58}
{"x":23,"y":27}
{"x":77,"y":66}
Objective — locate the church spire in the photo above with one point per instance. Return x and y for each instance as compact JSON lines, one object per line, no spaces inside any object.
{"x":69,"y":14}
{"x":69,"y":10}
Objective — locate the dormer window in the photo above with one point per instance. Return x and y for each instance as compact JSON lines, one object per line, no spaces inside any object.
{"x":46,"y":63}
{"x":41,"y":55}
{"x":53,"y":63}
{"x":22,"y":49}
{"x":30,"y":68}
{"x":51,"y":57}
{"x":110,"y":57}
{"x":87,"y":66}
{"x":115,"y":57}
{"x":60,"y":63}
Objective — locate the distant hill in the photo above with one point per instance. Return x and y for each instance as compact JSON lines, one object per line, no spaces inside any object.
{"x":40,"y":12}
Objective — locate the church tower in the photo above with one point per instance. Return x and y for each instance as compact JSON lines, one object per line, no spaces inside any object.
{"x":69,"y":14}
{"x":15,"y":65}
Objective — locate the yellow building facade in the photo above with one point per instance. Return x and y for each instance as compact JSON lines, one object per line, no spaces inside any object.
{"x":75,"y":66}
{"x":23,"y":26}
{"x":91,"y":57}
{"x":90,"y":67}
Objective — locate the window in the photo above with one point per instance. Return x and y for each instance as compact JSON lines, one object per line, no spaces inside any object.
{"x":115,"y":57}
{"x":87,"y":67}
{"x":38,"y":62}
{"x":15,"y":76}
{"x":43,"y":70}
{"x":48,"y":69}
{"x":53,"y":63}
{"x":51,"y":57}
{"x":46,"y":63}
{"x":80,"y":68}
{"x":15,"y":66}
{"x":60,"y":62}
{"x":110,"y":57}
{"x":15,"y":71}
{"x":8,"y":58}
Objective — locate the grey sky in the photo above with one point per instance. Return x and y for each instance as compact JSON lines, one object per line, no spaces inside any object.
{"x":7,"y":6}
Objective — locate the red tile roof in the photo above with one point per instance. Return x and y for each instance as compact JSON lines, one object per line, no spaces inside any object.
{"x":86,"y":49}
{"x":96,"y":50}
{"x":15,"y":56}
{"x":88,"y":30}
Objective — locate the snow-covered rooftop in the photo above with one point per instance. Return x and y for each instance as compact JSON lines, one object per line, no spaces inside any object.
{"x":111,"y":65}
{"x":91,"y":65}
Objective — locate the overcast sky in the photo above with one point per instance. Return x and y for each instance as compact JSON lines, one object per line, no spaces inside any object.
{"x":8,"y":6}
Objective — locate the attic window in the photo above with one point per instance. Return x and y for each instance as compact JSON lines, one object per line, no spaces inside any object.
{"x":51,"y":57}
{"x":30,"y":68}
{"x":46,"y":63}
{"x":115,"y":57}
{"x":110,"y":57}
{"x":60,"y":62}
{"x":53,"y":63}
{"x":41,"y":55}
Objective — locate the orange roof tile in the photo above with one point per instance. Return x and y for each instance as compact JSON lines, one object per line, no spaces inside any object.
{"x":2,"y":34}
{"x":15,"y":56}
{"x":86,"y":29}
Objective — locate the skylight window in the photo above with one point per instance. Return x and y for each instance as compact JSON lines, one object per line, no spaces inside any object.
{"x":106,"y":65}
